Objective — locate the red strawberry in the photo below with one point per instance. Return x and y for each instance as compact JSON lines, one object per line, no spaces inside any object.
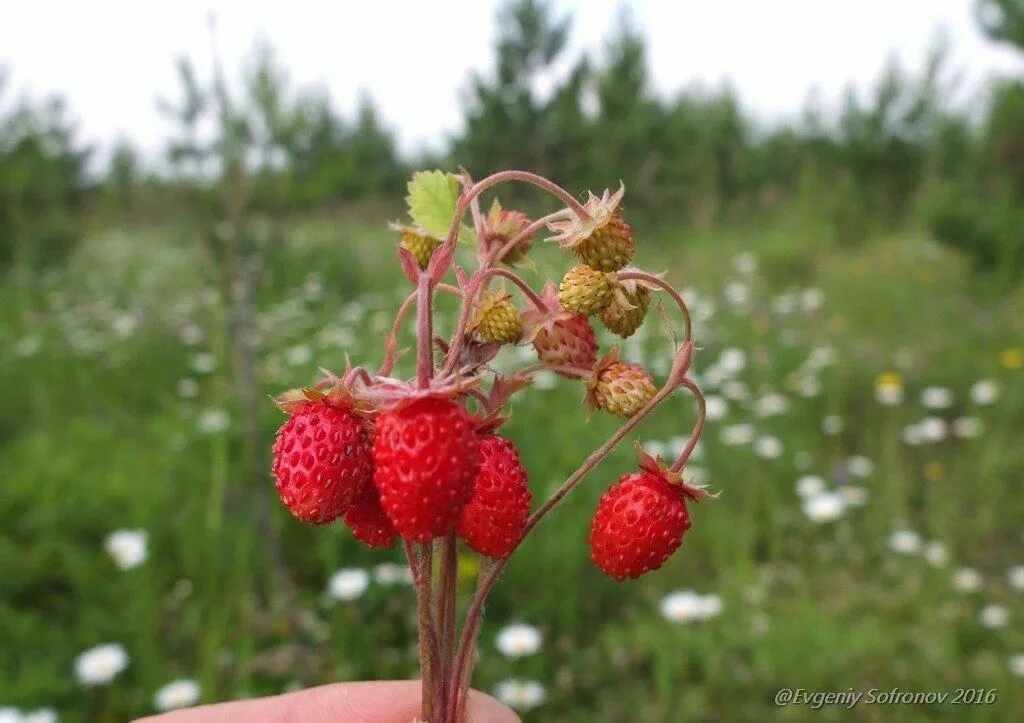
{"x":367,"y":520}
{"x":560,"y":337}
{"x":640,"y":521}
{"x":427,"y":458}
{"x":321,"y":458}
{"x":493,"y":521}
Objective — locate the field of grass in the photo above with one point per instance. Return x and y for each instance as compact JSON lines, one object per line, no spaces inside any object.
{"x":866,"y":438}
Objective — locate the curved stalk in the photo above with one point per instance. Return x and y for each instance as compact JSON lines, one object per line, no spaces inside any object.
{"x":529,"y":230}
{"x":667,"y":287}
{"x":698,"y":427}
{"x":473,"y":615}
{"x":466,"y":199}
{"x":475,"y":284}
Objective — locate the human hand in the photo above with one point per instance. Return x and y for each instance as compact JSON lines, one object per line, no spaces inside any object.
{"x":369,"y":702}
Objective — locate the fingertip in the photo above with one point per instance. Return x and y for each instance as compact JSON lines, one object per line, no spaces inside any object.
{"x":483,"y":708}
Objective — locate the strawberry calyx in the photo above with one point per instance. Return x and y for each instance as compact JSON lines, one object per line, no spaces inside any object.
{"x":658,"y":467}
{"x":573,"y":232}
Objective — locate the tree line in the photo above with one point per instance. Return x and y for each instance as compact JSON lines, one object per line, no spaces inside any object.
{"x":903,"y":155}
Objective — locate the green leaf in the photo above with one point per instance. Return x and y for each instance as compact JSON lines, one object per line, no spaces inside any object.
{"x":433,"y":198}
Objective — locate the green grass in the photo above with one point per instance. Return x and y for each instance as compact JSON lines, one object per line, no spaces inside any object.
{"x":95,"y":436}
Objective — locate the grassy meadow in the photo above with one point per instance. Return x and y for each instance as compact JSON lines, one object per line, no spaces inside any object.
{"x":865,"y":432}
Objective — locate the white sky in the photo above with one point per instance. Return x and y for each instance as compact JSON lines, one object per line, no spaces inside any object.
{"x":113,"y":59}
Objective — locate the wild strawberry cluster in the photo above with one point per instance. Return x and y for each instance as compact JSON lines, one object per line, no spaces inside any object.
{"x":422,"y":459}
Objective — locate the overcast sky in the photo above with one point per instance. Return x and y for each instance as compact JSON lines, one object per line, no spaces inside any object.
{"x":113,"y":59}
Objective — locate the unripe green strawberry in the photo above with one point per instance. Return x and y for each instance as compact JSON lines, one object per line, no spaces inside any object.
{"x":609,"y":247}
{"x":618,"y":387}
{"x":497,"y":320}
{"x":604,"y":241}
{"x":585,"y":291}
{"x":622,"y":319}
{"x":418,"y":242}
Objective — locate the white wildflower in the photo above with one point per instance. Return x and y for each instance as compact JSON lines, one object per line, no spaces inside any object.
{"x":770,"y":405}
{"x":100,"y":665}
{"x":860,"y":466}
{"x":810,"y":485}
{"x":933,"y":429}
{"x":732,"y":361}
{"x":832,"y":424}
{"x":392,"y":573}
{"x":736,"y":434}
{"x":905,"y":542}
{"x":936,"y":554}
{"x":737,"y":293}
{"x":768,"y":447}
{"x":298,"y":355}
{"x":177,"y":694}
{"x":518,"y":640}
{"x":967,"y":579}
{"x":1015,"y":577}
{"x":735,"y":390}
{"x":717,"y":407}
{"x":190,"y":335}
{"x":1017,"y":665}
{"x":854,"y":495}
{"x":745,"y":263}
{"x":43,"y":715}
{"x":348,"y":583}
{"x":824,"y":507}
{"x":129,"y":548}
{"x":522,"y":695}
{"x":985,"y":392}
{"x":213,"y":420}
{"x":684,"y":606}
{"x":812,"y":299}
{"x":188,"y":388}
{"x":936,"y":398}
{"x":994,"y":616}
{"x":967,"y":427}
{"x":203,"y":363}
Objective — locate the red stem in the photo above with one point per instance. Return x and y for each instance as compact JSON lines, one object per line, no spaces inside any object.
{"x":424,"y":333}
{"x":475,"y":284}
{"x":667,"y":287}
{"x":473,"y":615}
{"x":531,"y":229}
{"x":698,"y":427}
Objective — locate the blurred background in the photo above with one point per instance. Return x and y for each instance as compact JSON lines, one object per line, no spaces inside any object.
{"x":193,"y":208}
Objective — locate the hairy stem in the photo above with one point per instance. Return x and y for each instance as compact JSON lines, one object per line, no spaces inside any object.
{"x":571,"y":371}
{"x":698,"y":427}
{"x":475,"y":284}
{"x":446,"y":612}
{"x":474,"y":614}
{"x":460,"y":685}
{"x":540,"y":223}
{"x":420,"y":565}
{"x":667,"y":287}
{"x":424,"y":333}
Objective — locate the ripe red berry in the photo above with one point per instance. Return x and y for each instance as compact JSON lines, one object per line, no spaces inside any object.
{"x":493,"y":521}
{"x":427,"y":457}
{"x":367,"y":520}
{"x":321,"y":458}
{"x":639,"y":522}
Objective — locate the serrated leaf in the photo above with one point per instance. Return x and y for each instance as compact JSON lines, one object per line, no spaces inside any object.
{"x":432,"y":200}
